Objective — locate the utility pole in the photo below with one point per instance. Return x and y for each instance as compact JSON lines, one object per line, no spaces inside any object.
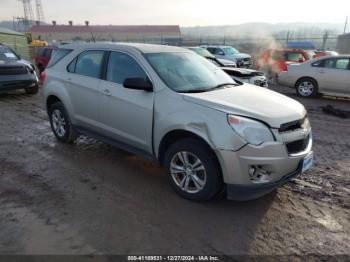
{"x":325,"y":37}
{"x":287,"y":40}
{"x":39,"y":11}
{"x":28,"y":13}
{"x":346,"y":23}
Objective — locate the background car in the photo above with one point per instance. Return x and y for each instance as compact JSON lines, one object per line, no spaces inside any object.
{"x":326,"y":75}
{"x":274,"y":61}
{"x":43,"y":56}
{"x":218,"y":61}
{"x":16,"y":73}
{"x":230,"y":53}
{"x":243,"y":75}
{"x":319,"y":53}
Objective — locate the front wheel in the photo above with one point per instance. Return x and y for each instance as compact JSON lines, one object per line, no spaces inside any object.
{"x":306,"y":87}
{"x":193,"y":170}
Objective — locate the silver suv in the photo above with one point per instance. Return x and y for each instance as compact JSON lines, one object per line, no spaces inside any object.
{"x":232,"y":54}
{"x":209,"y":132}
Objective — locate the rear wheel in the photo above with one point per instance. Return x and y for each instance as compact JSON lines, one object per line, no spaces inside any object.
{"x":61,"y":124}
{"x":306,"y":87}
{"x":193,"y":170}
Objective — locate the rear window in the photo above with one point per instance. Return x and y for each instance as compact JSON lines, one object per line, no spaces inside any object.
{"x":57,"y":55}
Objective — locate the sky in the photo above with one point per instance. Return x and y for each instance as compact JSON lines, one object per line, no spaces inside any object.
{"x":184,"y":12}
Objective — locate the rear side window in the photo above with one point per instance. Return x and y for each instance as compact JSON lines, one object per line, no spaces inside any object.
{"x":88,"y":63}
{"x":340,"y":63}
{"x":121,"y":66}
{"x":294,"y":56}
{"x":57,"y":55}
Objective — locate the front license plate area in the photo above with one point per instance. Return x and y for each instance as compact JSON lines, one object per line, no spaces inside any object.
{"x":307,"y":162}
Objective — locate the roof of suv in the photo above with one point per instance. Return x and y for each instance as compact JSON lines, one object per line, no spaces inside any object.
{"x":143,"y":48}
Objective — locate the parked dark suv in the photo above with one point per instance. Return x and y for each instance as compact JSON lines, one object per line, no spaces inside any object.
{"x":16,"y":73}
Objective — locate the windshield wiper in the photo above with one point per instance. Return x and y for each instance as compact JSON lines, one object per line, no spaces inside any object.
{"x":221,"y":86}
{"x":202,"y":90}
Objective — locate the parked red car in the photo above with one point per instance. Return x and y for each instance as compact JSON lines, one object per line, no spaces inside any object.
{"x":273,"y":61}
{"x":43,"y":56}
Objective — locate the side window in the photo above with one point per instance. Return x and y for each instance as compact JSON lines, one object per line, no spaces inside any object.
{"x":340,"y":63}
{"x":295,"y":56}
{"x":122,"y":66}
{"x":219,"y":51}
{"x":211,"y":50}
{"x":71,"y":66}
{"x":319,"y":63}
{"x":89,"y":63}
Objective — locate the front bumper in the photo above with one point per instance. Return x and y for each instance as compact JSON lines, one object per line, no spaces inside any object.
{"x":16,"y":82}
{"x":272,"y":157}
{"x":250,"y":192}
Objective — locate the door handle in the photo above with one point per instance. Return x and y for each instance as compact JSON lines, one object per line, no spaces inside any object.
{"x":321,"y":72}
{"x":107,"y":92}
{"x":69,"y":81}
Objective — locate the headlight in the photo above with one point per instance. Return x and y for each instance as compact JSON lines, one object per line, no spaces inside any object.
{"x":253,"y":132}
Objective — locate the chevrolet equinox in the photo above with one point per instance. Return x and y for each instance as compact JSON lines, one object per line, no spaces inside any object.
{"x":210,"y":133}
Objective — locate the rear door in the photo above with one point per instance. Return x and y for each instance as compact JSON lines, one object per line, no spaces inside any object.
{"x":83,"y":84}
{"x":334,"y":76}
{"x":126,"y":114}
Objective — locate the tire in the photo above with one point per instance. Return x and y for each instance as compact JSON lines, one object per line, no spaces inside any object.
{"x":306,"y":87}
{"x":40,"y":68}
{"x":61,"y":124}
{"x":205,"y":182}
{"x":32,"y":90}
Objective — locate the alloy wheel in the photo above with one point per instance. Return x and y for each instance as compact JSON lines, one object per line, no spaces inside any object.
{"x":58,"y":123}
{"x":306,"y":88}
{"x":188,"y":172}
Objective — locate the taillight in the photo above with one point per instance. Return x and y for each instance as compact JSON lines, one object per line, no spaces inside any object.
{"x":42,"y":78}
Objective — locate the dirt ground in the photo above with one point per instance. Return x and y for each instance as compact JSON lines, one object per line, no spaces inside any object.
{"x":91,"y":198}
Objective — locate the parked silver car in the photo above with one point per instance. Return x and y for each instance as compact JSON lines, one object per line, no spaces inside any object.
{"x":230,"y":53}
{"x":328,"y":75}
{"x":172,"y":105}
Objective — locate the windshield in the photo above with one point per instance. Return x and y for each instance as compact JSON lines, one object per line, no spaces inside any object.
{"x":6,"y":54}
{"x":188,"y":72}
{"x":230,"y":51}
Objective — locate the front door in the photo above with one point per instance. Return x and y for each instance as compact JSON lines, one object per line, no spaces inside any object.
{"x":126,"y":114}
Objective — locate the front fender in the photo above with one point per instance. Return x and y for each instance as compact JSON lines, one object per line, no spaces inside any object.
{"x":172,"y":113}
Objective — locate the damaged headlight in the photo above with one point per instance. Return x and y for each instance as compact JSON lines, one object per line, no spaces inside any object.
{"x":254,"y":132}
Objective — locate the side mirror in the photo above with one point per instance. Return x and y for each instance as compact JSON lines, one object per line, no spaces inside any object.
{"x":221,"y":53}
{"x":138,"y":84}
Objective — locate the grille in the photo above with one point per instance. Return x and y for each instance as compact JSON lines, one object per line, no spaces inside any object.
{"x":297,"y":146}
{"x":291,"y":126}
{"x":246,"y":59}
{"x":13,"y":70}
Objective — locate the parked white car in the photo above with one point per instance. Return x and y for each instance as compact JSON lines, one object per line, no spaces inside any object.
{"x":329,"y":75}
{"x":170,"y":104}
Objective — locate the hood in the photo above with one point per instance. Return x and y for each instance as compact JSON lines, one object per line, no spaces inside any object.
{"x":239,"y":55}
{"x":251,"y":101}
{"x":226,"y":62}
{"x":242,"y":72}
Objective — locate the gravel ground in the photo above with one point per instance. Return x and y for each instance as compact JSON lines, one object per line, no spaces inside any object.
{"x":91,"y":198}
